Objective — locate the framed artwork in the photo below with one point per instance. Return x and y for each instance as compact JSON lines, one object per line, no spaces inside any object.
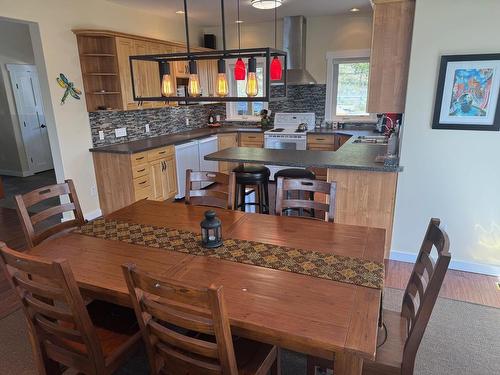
{"x":467,"y":95}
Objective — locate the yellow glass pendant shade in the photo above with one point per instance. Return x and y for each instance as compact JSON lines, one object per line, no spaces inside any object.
{"x":252,"y":88}
{"x":222,"y":87}
{"x":167,"y":85}
{"x":194,"y":88}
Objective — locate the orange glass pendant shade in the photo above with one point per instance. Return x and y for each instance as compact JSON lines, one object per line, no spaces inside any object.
{"x":276,"y":71}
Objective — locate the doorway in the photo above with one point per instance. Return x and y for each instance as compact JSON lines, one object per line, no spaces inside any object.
{"x":27,"y":159}
{"x":29,"y":107}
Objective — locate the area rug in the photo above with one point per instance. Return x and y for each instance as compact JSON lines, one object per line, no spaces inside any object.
{"x":462,"y":338}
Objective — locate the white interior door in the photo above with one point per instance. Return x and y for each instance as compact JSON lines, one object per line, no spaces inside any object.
{"x":24,"y":79}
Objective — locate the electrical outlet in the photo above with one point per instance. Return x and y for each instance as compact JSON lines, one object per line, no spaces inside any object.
{"x":93,"y":190}
{"x":101,"y":135}
{"x":121,"y":132}
{"x":187,"y":121}
{"x":147,"y":128}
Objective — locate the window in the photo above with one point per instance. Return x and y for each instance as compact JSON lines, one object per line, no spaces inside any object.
{"x":347,"y":86}
{"x":244,"y":111}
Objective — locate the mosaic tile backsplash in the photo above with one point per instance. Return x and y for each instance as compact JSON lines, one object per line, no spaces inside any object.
{"x":169,"y":120}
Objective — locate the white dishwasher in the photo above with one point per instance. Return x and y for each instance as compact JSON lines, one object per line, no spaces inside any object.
{"x":187,"y":156}
{"x":191,"y":155}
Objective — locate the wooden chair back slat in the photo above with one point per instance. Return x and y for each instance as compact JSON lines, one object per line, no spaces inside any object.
{"x":37,"y":306}
{"x":170,"y":351}
{"x":52,"y":211}
{"x":222,"y":196}
{"x":190,"y":344}
{"x":284,"y":185}
{"x":58,"y":330}
{"x":58,"y":321}
{"x":179,"y":363}
{"x":426,"y":291}
{"x":23,"y":202}
{"x":179,"y":318}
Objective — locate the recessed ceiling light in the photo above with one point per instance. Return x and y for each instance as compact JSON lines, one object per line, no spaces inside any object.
{"x":354,"y":10}
{"x":179,"y":12}
{"x":239,"y":21}
{"x":266,"y":4}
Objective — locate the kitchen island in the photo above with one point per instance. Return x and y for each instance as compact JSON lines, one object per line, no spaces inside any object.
{"x":366,"y":181}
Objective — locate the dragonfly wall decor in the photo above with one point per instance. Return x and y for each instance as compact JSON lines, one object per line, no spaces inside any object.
{"x":69,"y":87}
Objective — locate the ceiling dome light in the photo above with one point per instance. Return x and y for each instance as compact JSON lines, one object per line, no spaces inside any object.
{"x":266,"y":4}
{"x":354,"y":10}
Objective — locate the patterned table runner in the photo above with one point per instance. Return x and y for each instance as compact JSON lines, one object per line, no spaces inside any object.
{"x":311,"y":263}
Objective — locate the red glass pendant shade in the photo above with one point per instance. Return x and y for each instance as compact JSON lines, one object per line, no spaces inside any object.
{"x":276,"y":69}
{"x":239,"y":70}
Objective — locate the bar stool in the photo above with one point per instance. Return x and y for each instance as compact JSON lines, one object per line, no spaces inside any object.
{"x":300,"y":174}
{"x":252,"y":175}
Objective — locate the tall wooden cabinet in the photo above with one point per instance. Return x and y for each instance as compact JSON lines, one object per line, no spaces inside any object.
{"x":227,"y":141}
{"x":390,"y":55}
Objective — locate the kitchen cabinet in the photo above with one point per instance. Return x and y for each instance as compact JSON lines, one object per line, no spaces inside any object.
{"x":104,"y":60}
{"x":251,"y":140}
{"x":320,"y":142}
{"x":227,"y":141}
{"x":123,"y":179}
{"x":390,"y":55}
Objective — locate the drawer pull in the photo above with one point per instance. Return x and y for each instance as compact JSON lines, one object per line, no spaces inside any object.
{"x":142,"y":157}
{"x":162,"y":152}
{"x":141,"y":170}
{"x":142,"y":183}
{"x":320,"y":139}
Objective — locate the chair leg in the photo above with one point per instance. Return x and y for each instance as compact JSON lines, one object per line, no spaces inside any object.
{"x":276,"y":367}
{"x":266,"y":197}
{"x":242,"y":197}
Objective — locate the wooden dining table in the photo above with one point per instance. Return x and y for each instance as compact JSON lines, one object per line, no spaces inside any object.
{"x":307,"y":314}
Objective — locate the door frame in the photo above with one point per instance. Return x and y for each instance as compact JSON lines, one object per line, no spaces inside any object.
{"x":24,"y":68}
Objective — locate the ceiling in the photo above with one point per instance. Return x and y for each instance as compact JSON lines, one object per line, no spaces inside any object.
{"x":207,"y":12}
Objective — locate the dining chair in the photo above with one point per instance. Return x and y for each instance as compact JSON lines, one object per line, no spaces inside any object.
{"x":402,"y":331}
{"x":284,"y":203}
{"x":221,"y":195}
{"x":60,"y":327}
{"x":186,"y":330}
{"x":35,"y":226}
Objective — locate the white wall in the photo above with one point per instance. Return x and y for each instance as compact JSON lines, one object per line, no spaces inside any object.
{"x":324,"y":34}
{"x":59,"y":54}
{"x":15,"y":48}
{"x":450,"y":174}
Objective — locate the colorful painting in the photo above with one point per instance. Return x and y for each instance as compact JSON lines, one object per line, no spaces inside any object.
{"x":471,"y":92}
{"x":468,"y":93}
{"x":69,"y":87}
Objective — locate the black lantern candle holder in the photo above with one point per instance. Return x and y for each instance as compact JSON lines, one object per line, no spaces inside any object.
{"x":211,"y":230}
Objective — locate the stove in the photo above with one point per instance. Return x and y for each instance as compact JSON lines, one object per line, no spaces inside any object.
{"x":286,"y":135}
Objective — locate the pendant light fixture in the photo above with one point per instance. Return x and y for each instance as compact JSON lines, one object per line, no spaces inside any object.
{"x":167,"y":82}
{"x":194,"y":88}
{"x":221,"y":86}
{"x":276,"y":71}
{"x":239,"y":67}
{"x":252,"y":88}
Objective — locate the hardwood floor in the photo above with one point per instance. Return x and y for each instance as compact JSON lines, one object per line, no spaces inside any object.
{"x":458,"y":285}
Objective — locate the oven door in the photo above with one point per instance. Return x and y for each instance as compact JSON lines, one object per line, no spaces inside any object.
{"x":283,"y":143}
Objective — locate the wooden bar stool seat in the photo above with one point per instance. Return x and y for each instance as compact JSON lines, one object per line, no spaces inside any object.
{"x":252,"y":175}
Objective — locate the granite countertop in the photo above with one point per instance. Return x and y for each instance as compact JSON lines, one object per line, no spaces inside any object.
{"x":351,"y":155}
{"x":140,"y":145}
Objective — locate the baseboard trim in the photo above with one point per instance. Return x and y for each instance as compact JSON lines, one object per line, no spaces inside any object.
{"x":8,"y":172}
{"x":458,"y":265}
{"x":93,"y":215}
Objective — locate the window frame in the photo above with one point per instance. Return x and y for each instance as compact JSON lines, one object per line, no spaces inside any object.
{"x":231,"y":107}
{"x":333,"y":59}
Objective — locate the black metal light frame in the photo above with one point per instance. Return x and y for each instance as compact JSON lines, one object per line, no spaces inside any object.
{"x":267,"y":53}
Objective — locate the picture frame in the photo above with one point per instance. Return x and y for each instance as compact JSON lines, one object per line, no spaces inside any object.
{"x":468,"y":93}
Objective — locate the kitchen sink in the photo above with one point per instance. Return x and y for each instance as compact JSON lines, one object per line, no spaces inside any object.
{"x":371,"y":139}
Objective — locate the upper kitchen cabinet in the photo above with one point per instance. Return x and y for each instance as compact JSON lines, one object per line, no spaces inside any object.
{"x":390,"y":55}
{"x":105,"y":64}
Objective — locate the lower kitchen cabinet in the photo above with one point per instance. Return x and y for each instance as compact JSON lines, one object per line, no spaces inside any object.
{"x":252,"y":140}
{"x":227,"y":141}
{"x":123,"y":179}
{"x":320,"y":142}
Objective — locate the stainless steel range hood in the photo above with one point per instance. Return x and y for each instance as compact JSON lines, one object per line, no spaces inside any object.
{"x":294,"y":44}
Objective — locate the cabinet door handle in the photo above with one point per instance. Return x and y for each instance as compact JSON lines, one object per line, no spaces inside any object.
{"x":142,"y":157}
{"x":141,"y":170}
{"x":142,"y":183}
{"x":162,"y":152}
